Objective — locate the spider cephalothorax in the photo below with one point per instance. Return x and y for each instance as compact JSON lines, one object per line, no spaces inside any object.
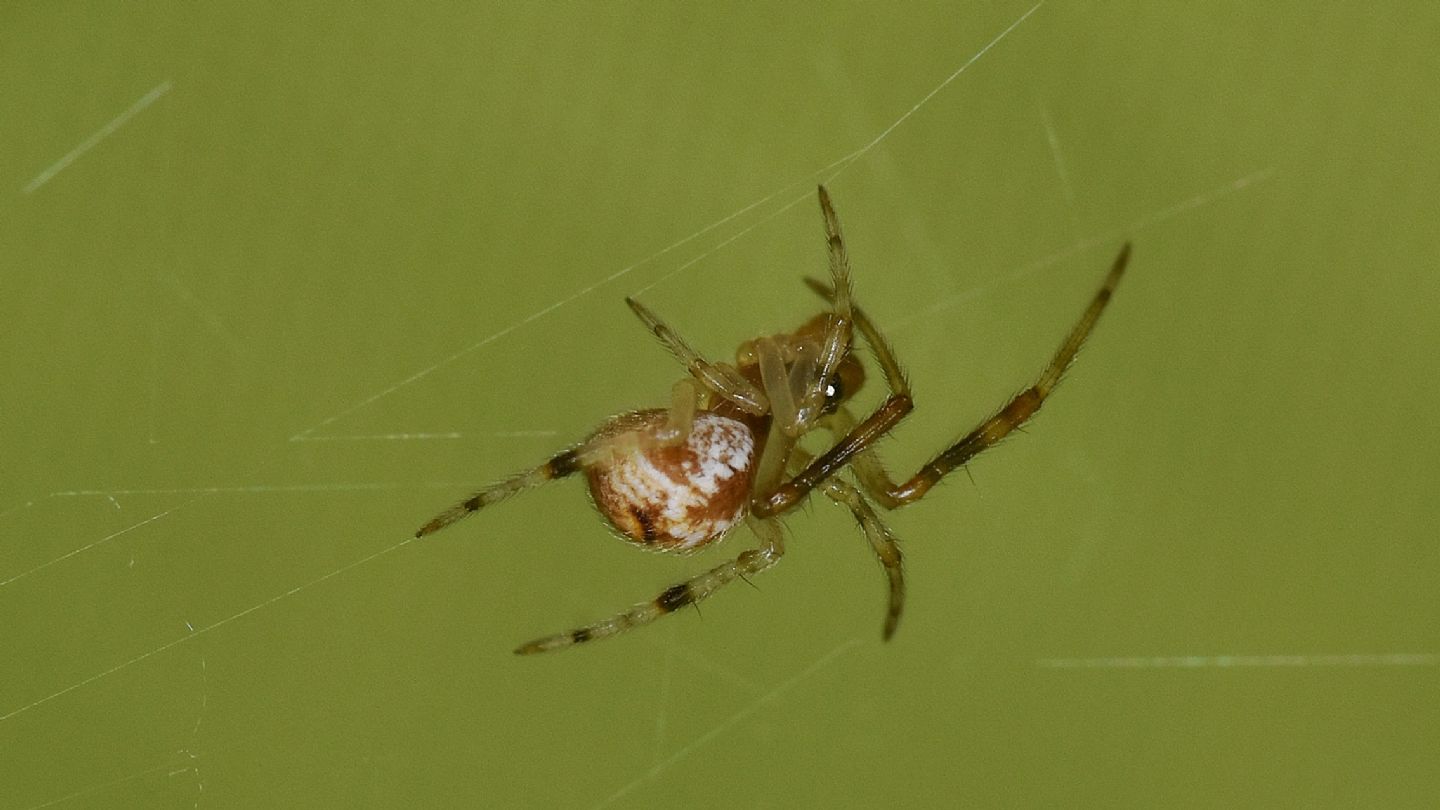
{"x":725,"y":450}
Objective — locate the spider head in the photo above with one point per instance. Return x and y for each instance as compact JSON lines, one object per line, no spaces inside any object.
{"x":843,"y":384}
{"x":848,"y":376}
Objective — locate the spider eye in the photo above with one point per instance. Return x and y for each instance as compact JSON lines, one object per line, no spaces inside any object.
{"x":834,"y":393}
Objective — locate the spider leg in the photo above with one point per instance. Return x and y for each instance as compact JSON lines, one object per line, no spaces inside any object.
{"x":839,"y":257}
{"x":684,"y":402}
{"x":781,"y":388}
{"x":866,"y":464}
{"x":855,"y":443}
{"x":882,"y":541}
{"x":869,"y":470}
{"x":721,"y":378}
{"x":557,"y":467}
{"x":836,"y":341}
{"x":1012,"y":416}
{"x":751,"y":561}
{"x":776,"y":380}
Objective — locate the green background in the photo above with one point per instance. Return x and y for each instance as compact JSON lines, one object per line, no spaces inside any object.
{"x":343,"y":264}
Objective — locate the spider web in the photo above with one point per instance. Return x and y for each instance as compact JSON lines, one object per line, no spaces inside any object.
{"x":109,"y":676}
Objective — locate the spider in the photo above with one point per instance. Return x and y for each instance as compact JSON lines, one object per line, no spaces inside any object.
{"x":677,"y":479}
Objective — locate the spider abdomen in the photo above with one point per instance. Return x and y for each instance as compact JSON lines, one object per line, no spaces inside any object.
{"x":673,"y":497}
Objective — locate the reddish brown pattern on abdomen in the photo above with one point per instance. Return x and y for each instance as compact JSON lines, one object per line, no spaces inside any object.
{"x":675,"y":498}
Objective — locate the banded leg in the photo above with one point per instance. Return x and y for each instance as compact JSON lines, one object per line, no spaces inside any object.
{"x":718,"y":377}
{"x":598,"y":449}
{"x":752,"y":561}
{"x":855,"y":443}
{"x":1015,"y":413}
{"x":867,"y":467}
{"x":558,"y":467}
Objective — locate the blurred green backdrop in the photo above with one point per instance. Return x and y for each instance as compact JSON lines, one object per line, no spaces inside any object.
{"x":279,"y":283}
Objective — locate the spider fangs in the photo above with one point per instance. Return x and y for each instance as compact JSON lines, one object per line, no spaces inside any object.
{"x":677,"y":479}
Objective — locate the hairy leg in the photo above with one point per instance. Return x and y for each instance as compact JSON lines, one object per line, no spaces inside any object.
{"x":752,"y":561}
